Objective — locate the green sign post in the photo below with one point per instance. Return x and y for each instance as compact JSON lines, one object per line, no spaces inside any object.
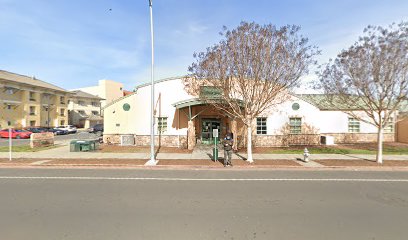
{"x":215,"y":149}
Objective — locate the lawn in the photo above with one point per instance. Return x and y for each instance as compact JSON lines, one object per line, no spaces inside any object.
{"x":358,"y":148}
{"x":25,"y":148}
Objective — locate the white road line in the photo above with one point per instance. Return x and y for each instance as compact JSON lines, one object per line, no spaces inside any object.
{"x":213,"y":179}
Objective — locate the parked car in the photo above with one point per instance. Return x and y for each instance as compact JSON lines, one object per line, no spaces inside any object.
{"x":57,"y":131}
{"x":98,"y":128}
{"x":69,"y":128}
{"x":15,"y":133}
{"x":36,"y":129}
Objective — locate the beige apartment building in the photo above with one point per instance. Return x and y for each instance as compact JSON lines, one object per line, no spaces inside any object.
{"x":26,"y":101}
{"x":84,"y":109}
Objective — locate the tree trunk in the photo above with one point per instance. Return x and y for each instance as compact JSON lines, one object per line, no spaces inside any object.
{"x":379,"y":157}
{"x":249,"y":144}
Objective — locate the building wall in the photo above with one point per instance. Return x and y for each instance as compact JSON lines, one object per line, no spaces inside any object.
{"x":137,"y":119}
{"x":402,"y":131}
{"x":20,"y":115}
{"x":314,"y":121}
{"x":77,"y":104}
{"x":107,"y":89}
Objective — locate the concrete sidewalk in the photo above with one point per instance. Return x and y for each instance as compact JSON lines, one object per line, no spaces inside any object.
{"x":64,"y":153}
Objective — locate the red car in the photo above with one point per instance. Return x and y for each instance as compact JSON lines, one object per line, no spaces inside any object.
{"x":15,"y":133}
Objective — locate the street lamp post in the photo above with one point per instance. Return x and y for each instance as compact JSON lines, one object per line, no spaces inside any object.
{"x":152,"y":160}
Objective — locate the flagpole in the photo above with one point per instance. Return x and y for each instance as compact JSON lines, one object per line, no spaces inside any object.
{"x":152,"y":160}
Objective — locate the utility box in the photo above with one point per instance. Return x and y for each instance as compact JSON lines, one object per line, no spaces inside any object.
{"x":326,"y":140}
{"x":127,"y":140}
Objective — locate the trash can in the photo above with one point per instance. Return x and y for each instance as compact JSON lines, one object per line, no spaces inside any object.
{"x":74,"y":146}
{"x":83,"y":145}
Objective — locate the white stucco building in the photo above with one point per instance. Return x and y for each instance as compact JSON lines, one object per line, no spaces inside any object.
{"x":303,"y":119}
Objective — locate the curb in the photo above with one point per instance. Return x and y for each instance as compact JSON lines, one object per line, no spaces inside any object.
{"x":202,"y":167}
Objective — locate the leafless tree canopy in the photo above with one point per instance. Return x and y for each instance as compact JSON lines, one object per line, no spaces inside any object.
{"x":371,"y":75}
{"x":253,"y":63}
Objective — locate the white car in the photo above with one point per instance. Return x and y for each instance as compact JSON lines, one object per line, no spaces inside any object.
{"x":69,"y":128}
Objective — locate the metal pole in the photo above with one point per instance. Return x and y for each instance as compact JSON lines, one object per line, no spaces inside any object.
{"x":152,"y":160}
{"x":10,"y":144}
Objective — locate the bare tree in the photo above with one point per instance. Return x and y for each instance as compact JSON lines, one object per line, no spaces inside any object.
{"x":369,"y":81}
{"x":252,"y":69}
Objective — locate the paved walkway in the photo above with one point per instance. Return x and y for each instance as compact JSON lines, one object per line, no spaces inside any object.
{"x":64,"y":153}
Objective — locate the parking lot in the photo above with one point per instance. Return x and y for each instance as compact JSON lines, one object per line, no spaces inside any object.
{"x":60,"y":139}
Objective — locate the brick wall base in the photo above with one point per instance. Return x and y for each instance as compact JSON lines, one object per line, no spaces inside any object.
{"x":259,"y":140}
{"x":359,"y":137}
{"x":144,"y":140}
{"x":314,"y":139}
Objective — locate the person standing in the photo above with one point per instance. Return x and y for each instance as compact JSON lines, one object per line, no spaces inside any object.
{"x":228,"y":143}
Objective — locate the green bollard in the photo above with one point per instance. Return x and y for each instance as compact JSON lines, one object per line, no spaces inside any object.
{"x":215,"y":150}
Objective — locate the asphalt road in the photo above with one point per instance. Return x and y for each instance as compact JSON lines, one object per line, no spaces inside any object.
{"x":201,"y":204}
{"x":78,"y":135}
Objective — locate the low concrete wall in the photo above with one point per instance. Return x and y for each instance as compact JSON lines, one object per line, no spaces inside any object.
{"x":41,"y":139}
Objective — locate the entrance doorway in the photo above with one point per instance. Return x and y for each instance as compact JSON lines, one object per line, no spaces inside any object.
{"x":207,"y":127}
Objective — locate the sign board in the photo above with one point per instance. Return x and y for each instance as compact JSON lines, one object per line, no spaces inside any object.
{"x":41,"y":139}
{"x":215,"y":132}
{"x":210,"y":92}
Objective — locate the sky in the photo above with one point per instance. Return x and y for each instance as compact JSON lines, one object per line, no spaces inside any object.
{"x":75,"y":43}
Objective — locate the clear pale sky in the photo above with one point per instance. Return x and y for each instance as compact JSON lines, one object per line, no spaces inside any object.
{"x":74,"y":43}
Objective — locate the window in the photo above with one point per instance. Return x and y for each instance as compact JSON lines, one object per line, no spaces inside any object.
{"x":62,"y":113}
{"x":161,"y":124}
{"x":81,"y":112}
{"x":10,"y":91}
{"x":95,"y":104}
{"x":9,"y":107}
{"x":32,"y":123}
{"x":295,"y":106}
{"x":261,"y":125}
{"x":389,"y":128}
{"x":32,"y":110}
{"x":9,"y":123}
{"x":62,"y":123}
{"x":95,"y":113}
{"x":69,"y":101}
{"x":295,"y":125}
{"x":82,"y":103}
{"x":353,"y":125}
{"x":32,"y":96}
{"x":62,"y":100}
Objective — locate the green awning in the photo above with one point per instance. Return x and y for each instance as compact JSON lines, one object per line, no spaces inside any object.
{"x":189,"y":103}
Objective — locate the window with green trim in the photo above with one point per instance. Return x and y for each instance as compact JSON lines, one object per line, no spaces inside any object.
{"x":261,"y":126}
{"x":389,"y":128}
{"x":295,"y":125}
{"x":162,"y":124}
{"x":353,"y":125}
